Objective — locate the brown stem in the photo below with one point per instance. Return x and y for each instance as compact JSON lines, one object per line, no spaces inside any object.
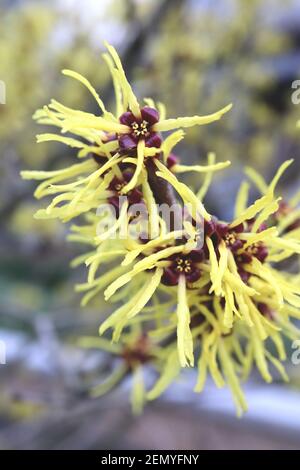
{"x":163,"y":192}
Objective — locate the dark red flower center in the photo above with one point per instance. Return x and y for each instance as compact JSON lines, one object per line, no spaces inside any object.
{"x":219,"y":231}
{"x":183,"y":265}
{"x":256,"y":250}
{"x":285,"y":210}
{"x":140,"y":128}
{"x":232,"y":241}
{"x":116,"y":185}
{"x":265,"y":310}
{"x":172,"y":160}
{"x":138,"y":353}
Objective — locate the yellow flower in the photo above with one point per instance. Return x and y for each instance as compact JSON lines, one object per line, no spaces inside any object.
{"x":124,"y":140}
{"x":234,"y":263}
{"x":241,"y":256}
{"x":135,"y":352}
{"x":211,"y":294}
{"x":228,"y":355}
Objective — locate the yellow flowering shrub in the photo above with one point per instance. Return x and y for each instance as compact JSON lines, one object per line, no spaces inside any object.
{"x":186,"y":288}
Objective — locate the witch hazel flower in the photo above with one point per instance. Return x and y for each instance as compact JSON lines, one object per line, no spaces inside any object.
{"x":155,"y":266}
{"x":221,"y":354}
{"x":229,"y":352}
{"x":241,"y":256}
{"x":226,"y":355}
{"x":172,"y":258}
{"x":108,"y":143}
{"x":233,"y":262}
{"x":140,"y":128}
{"x":183,"y":265}
{"x":209,"y":295}
{"x":131,"y":357}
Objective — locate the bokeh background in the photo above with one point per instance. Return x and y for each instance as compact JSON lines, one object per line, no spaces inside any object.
{"x":195,"y":56}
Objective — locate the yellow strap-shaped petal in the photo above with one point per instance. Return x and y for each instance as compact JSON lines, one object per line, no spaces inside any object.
{"x":184,"y":335}
{"x":139,"y":166}
{"x":201,"y":168}
{"x":170,"y":124}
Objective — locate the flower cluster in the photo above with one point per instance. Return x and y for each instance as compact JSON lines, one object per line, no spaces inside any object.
{"x":189,"y":288}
